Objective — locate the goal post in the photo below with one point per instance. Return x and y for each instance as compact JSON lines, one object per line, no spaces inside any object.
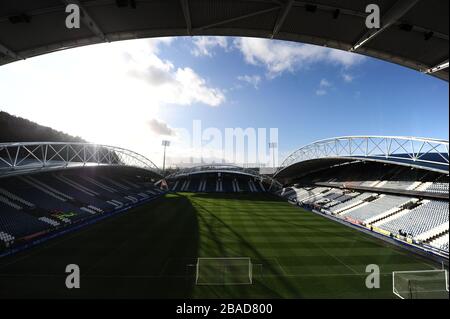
{"x":224,"y":271}
{"x":420,"y":284}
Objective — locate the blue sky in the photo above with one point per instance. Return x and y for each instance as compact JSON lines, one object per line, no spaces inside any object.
{"x":135,"y":93}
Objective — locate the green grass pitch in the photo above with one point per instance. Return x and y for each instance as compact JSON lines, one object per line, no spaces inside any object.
{"x":147,"y":253}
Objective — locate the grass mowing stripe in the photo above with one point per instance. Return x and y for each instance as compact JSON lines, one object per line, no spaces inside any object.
{"x":145,"y":253}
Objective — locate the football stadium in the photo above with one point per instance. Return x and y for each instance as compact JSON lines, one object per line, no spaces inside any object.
{"x":346,"y":216}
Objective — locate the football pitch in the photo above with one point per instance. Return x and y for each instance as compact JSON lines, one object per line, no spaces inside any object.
{"x":151,"y":252}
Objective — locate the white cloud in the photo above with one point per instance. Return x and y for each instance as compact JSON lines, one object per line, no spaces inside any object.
{"x":253,"y":80}
{"x":347,"y":77}
{"x":205,"y":45}
{"x":192,"y":88}
{"x":281,"y":56}
{"x":182,"y":86}
{"x":324,"y":85}
{"x":160,"y":128}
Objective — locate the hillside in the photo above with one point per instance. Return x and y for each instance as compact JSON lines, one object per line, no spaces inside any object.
{"x":17,"y":129}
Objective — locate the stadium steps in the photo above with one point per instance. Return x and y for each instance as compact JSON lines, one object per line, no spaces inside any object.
{"x":433,"y":233}
{"x":31,"y":209}
{"x":115,"y":183}
{"x":353,"y":204}
{"x":143,"y":195}
{"x":414,"y":186}
{"x":391,"y":217}
{"x":51,"y":189}
{"x":115,"y":203}
{"x":99,"y":184}
{"x":423,"y":186}
{"x":134,"y":200}
{"x":202,"y":185}
{"x":9,"y":203}
{"x":262,"y":186}
{"x":16,"y":198}
{"x":378,"y":184}
{"x":317,"y":195}
{"x":252,"y":186}
{"x":67,"y":198}
{"x":389,"y":213}
{"x":134,"y":185}
{"x":42,"y":189}
{"x":219,"y":185}
{"x":235,"y":185}
{"x":186,"y":187}
{"x":440,"y":241}
{"x":76,"y":185}
{"x":344,"y":198}
{"x":358,"y":206}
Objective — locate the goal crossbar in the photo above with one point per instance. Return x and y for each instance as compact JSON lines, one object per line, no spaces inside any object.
{"x":420,"y":284}
{"x":224,"y":271}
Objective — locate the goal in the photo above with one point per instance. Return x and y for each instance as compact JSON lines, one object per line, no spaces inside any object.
{"x":224,"y":271}
{"x":420,"y":284}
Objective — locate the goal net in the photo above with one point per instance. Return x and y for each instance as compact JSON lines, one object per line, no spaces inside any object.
{"x":421,"y":284}
{"x":224,"y":271}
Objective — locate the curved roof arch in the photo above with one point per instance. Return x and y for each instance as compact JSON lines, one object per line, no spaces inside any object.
{"x":424,"y":153}
{"x":22,"y":158}
{"x":214,"y":168}
{"x":414,"y":33}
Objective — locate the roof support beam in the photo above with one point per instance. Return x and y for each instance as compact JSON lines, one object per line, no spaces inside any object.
{"x":4,"y":50}
{"x":87,"y":20}
{"x":389,"y":18}
{"x":441,"y":66}
{"x":242,"y":17}
{"x":284,"y":11}
{"x":187,"y":15}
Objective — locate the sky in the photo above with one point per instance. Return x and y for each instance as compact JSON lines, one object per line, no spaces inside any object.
{"x":136,"y":93}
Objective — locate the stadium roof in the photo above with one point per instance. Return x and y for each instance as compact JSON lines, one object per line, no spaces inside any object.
{"x":214,"y":168}
{"x":416,"y":152}
{"x":413,"y":33}
{"x":28,"y":157}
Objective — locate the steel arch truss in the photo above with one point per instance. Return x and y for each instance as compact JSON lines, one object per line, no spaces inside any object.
{"x":207,"y":168}
{"x":24,"y":157}
{"x":413,"y":151}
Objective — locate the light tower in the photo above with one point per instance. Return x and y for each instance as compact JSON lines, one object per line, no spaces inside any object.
{"x":165,"y":143}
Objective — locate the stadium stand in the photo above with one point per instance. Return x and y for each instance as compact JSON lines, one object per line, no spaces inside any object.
{"x":419,"y":220}
{"x":37,"y":204}
{"x":376,"y":207}
{"x":395,"y":200}
{"x":220,"y":178}
{"x":438,"y":188}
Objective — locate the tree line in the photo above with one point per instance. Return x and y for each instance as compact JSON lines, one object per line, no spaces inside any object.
{"x":17,"y":129}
